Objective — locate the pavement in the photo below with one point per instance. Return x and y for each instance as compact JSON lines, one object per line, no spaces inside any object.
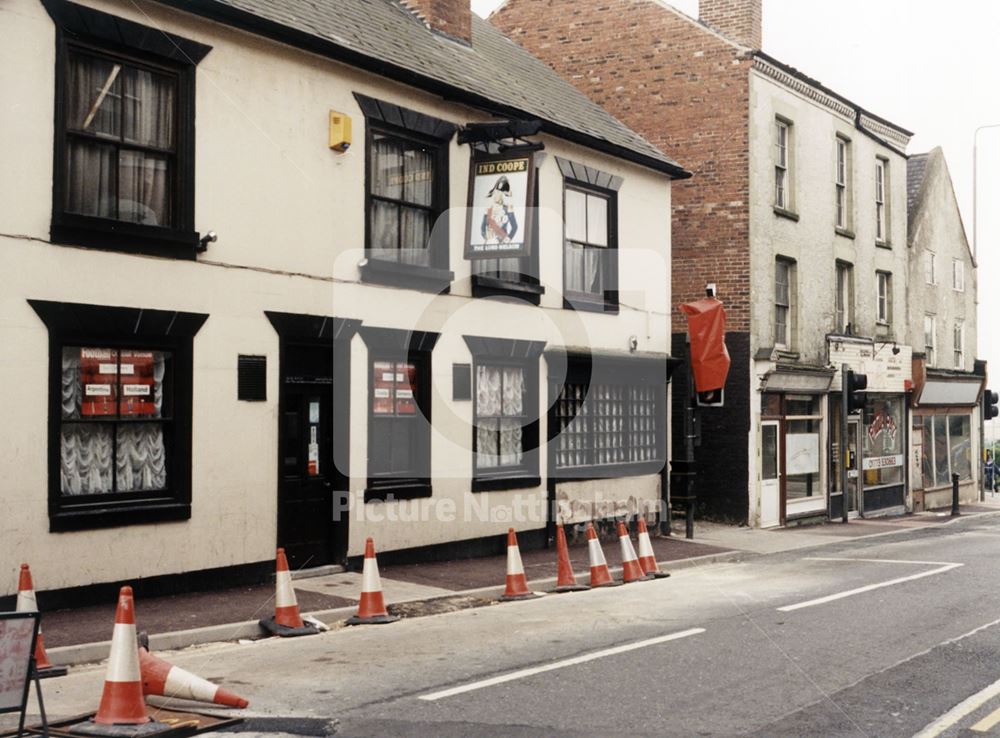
{"x":892,"y":633}
{"x":81,"y":635}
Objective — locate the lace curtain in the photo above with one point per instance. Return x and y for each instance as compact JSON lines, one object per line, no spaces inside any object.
{"x":113,"y":107}
{"x":102,"y":456}
{"x":499,"y":416}
{"x":402,"y":175}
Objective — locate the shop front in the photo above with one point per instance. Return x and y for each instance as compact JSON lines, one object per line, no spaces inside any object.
{"x":875,"y":447}
{"x":945,"y":438}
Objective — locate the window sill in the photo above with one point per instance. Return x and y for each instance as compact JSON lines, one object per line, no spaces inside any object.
{"x":115,"y":515}
{"x":607,"y":471}
{"x":588,"y":304}
{"x":884,"y":245}
{"x":493,"y":287}
{"x":391,"y":493}
{"x":112,"y":235}
{"x":412,"y":276}
{"x":782,"y":213}
{"x":497,"y":484}
{"x":844,"y":232}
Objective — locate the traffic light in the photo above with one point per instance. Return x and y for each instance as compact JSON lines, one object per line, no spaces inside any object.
{"x":855,"y":385}
{"x":711,"y":398}
{"x":990,"y":409}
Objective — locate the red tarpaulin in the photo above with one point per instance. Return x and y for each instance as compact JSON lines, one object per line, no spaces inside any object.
{"x":709,"y":356}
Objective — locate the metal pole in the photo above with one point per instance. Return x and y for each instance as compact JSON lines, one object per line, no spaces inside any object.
{"x":954,"y":495}
{"x":689,"y":412}
{"x":845,"y":454}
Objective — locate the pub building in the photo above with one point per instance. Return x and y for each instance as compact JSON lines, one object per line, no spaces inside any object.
{"x":297,"y":276}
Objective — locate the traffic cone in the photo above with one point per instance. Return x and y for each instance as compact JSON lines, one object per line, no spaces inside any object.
{"x":631,"y":571}
{"x":26,"y":602}
{"x":162,"y":678}
{"x":565,"y":580}
{"x":647,"y":559}
{"x":517,"y":583}
{"x":599,"y":574}
{"x":286,"y":620}
{"x":371,"y":608}
{"x":122,"y":703}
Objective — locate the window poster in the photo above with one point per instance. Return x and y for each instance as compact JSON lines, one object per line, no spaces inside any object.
{"x":500,"y":189}
{"x":383,"y":381}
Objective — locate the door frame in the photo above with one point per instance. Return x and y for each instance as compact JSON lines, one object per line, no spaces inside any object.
{"x":856,"y":423}
{"x":335,"y":335}
{"x":779,"y":462}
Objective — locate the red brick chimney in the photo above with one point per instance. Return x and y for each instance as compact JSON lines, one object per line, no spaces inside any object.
{"x":740,"y":20}
{"x":453,"y":17}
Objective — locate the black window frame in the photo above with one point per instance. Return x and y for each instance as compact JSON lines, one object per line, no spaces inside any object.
{"x":387,"y":119}
{"x":400,"y":346}
{"x":98,"y":326}
{"x":589,"y":371}
{"x":524,"y":355}
{"x":87,"y":31}
{"x":590,"y":181}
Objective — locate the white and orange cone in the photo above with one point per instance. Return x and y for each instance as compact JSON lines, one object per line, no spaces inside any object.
{"x":122,"y":703}
{"x":517,"y":583}
{"x":162,"y":678}
{"x":371,"y":608}
{"x":27,"y":602}
{"x":286,"y":621}
{"x":647,"y":559}
{"x":631,"y":571}
{"x":600,"y":576}
{"x":565,"y":578}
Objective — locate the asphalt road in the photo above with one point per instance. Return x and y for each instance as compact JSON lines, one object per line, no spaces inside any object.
{"x":878,"y":637}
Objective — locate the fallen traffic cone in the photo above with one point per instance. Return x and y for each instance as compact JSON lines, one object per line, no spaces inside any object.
{"x":631,"y":571}
{"x":26,"y":602}
{"x":599,"y":574}
{"x":371,"y":608}
{"x":286,"y":620}
{"x":162,"y":678}
{"x":122,"y":703}
{"x":517,"y":583}
{"x":565,"y":580}
{"x":647,"y":559}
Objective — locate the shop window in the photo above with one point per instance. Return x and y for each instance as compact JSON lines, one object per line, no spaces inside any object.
{"x":947,"y":449}
{"x":120,"y":414}
{"x":407,"y":192}
{"x":505,"y":413}
{"x":610,"y":420}
{"x":124,"y":159}
{"x":883,"y":442}
{"x":802,"y":458}
{"x":399,"y":413}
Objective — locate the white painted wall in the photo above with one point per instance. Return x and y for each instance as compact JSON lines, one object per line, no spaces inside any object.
{"x":289,"y":213}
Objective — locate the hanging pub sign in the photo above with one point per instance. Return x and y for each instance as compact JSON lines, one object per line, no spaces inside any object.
{"x":501,"y":186}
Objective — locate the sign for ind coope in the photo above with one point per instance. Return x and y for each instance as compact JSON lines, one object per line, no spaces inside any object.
{"x":501,"y":189}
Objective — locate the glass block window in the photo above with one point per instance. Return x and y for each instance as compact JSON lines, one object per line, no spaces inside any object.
{"x":608,"y":424}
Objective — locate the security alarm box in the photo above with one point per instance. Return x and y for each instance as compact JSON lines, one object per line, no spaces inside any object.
{"x":340,"y":131}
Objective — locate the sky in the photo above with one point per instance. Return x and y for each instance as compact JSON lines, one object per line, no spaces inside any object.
{"x":931,"y":67}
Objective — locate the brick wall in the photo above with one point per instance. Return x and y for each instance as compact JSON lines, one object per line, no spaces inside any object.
{"x":686,"y":90}
{"x":741,"y":20}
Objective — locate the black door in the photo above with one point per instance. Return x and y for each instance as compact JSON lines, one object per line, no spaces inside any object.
{"x":308,"y":481}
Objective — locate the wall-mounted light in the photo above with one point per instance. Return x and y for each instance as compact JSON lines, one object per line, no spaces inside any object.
{"x":210,"y":237}
{"x":633,"y":344}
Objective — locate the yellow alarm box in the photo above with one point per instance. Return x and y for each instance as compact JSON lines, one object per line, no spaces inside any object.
{"x":340,"y":131}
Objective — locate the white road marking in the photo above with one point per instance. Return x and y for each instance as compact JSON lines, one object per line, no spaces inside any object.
{"x":987,"y":723}
{"x":942,"y":567}
{"x":879,"y":561}
{"x":959,"y":711}
{"x":511,"y":676}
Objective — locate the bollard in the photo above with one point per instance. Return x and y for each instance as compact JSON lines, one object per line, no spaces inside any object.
{"x":689,"y":523}
{"x":954,"y":495}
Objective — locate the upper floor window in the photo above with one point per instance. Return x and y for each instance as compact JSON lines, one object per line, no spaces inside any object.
{"x":590,"y":256}
{"x":883,"y":281}
{"x":407,"y":191}
{"x":784,"y":276}
{"x":844,"y":307}
{"x":930,"y":267}
{"x":930,"y":338}
{"x":782,"y":164}
{"x":124,"y":148}
{"x":958,"y":275}
{"x":841,"y":194}
{"x":881,"y":202}
{"x":959,"y":344}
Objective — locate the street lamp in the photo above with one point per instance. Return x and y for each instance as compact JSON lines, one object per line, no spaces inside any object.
{"x":975,"y":158}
